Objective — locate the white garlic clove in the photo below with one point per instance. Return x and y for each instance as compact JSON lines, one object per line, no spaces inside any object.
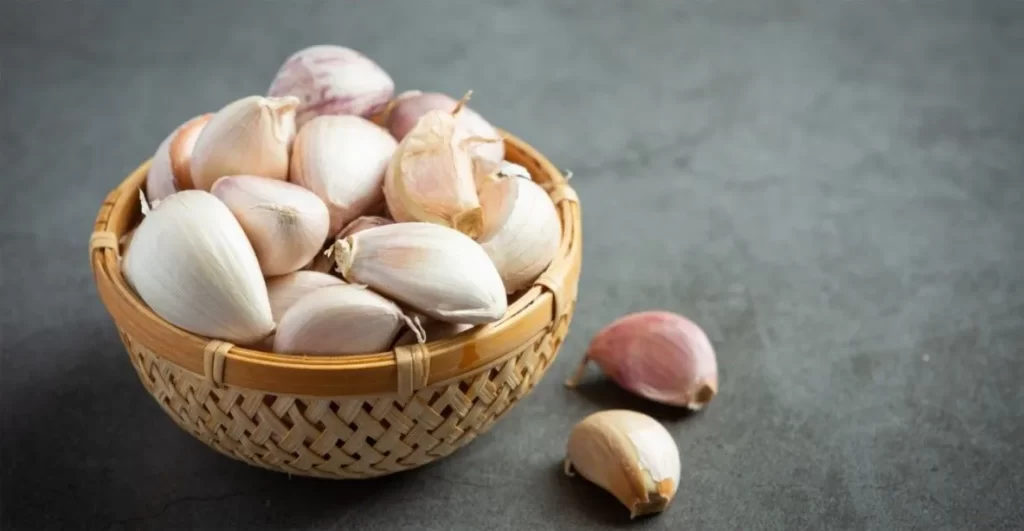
{"x":628,"y":454}
{"x":362,"y":223}
{"x":170,"y":170}
{"x":497,"y":200}
{"x":333,"y":80}
{"x":410,"y":106}
{"x":249,"y":136}
{"x":433,"y":330}
{"x":286,"y":223}
{"x":285,"y":290}
{"x":526,"y":240}
{"x":342,"y":159}
{"x":434,"y":270}
{"x":658,"y":355}
{"x":191,"y":262}
{"x":343,"y":319}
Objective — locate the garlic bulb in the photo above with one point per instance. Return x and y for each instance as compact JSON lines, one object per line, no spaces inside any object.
{"x":286,"y":223}
{"x":333,"y":80}
{"x":343,"y":319}
{"x":362,"y":223}
{"x":628,"y":454}
{"x":411,"y":105}
{"x":522,"y":230}
{"x":249,"y":136}
{"x":285,"y":290}
{"x":170,"y":169}
{"x":433,"y":330}
{"x":436,"y":271}
{"x":342,"y":159}
{"x":431,"y":176}
{"x":191,"y":262}
{"x":658,"y":355}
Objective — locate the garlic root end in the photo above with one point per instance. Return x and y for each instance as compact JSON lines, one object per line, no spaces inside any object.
{"x":469,"y":222}
{"x":345,"y":251}
{"x":703,"y":396}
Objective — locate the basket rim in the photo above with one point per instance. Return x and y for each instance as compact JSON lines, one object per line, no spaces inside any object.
{"x":403,"y":370}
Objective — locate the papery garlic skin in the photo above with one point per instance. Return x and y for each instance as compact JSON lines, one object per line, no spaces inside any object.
{"x":192,"y":264}
{"x":362,"y":223}
{"x":286,"y":290}
{"x":249,"y":136}
{"x":286,"y":223}
{"x":661,"y":356}
{"x":333,"y":80}
{"x":411,"y":105}
{"x":431,"y":177}
{"x":342,"y":159}
{"x":436,"y":271}
{"x":628,"y":454}
{"x":528,"y":239}
{"x":170,"y":170}
{"x":337,"y":320}
{"x":433,"y":330}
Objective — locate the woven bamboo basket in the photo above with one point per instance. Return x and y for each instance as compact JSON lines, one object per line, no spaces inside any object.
{"x":353,"y":416}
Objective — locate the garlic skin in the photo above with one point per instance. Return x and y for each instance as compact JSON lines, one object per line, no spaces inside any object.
{"x":286,"y":290}
{"x":433,"y":330}
{"x":528,"y":239}
{"x":431,"y":177}
{"x":661,"y":356}
{"x":192,"y":264}
{"x":170,"y":169}
{"x":628,"y":454}
{"x":249,"y":136}
{"x":342,"y":159}
{"x":411,"y":105}
{"x":332,"y":80}
{"x":342,"y":319}
{"x":434,"y":270}
{"x":362,"y":223}
{"x":286,"y":224}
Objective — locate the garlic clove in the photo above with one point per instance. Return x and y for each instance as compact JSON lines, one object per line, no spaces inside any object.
{"x":249,"y":136}
{"x":333,"y":80}
{"x":362,"y":223}
{"x":410,"y":106}
{"x":342,"y":159}
{"x":170,"y":170}
{"x":343,"y":319}
{"x":526,"y":230}
{"x":628,"y":454}
{"x":192,"y":264}
{"x":434,"y":270}
{"x":285,"y":290}
{"x":286,"y":223}
{"x":658,"y":355}
{"x":433,"y":330}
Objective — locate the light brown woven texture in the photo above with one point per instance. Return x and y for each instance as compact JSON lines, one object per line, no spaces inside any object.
{"x":354,"y":416}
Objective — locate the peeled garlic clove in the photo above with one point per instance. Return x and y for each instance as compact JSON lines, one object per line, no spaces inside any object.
{"x":431,"y":177}
{"x":362,"y":223}
{"x":342,"y":319}
{"x":526,"y":235}
{"x":410,"y":106}
{"x":434,"y":270}
{"x":191,"y":262}
{"x":285,"y":290}
{"x":628,"y":454}
{"x":249,"y":136}
{"x":333,"y":80}
{"x":342,"y":159}
{"x":170,"y":169}
{"x":433,"y":330}
{"x":658,"y":355}
{"x":286,"y":223}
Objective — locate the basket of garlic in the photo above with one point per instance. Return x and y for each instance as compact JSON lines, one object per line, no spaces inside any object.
{"x":332,"y":281}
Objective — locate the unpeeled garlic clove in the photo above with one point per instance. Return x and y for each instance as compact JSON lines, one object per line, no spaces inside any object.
{"x":286,"y":223}
{"x":343,"y":319}
{"x":333,"y":80}
{"x":411,"y":105}
{"x":628,"y":454}
{"x":192,"y":264}
{"x":285,"y":290}
{"x":658,"y":355}
{"x":249,"y":136}
{"x":433,"y":330}
{"x":522,"y":229}
{"x":362,"y":223}
{"x":170,"y":169}
{"x":342,"y":159}
{"x":434,"y":270}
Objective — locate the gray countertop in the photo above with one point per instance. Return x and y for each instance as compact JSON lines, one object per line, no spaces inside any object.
{"x":831,"y":188}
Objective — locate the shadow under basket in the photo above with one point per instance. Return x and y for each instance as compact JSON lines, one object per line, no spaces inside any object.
{"x":344,"y":417}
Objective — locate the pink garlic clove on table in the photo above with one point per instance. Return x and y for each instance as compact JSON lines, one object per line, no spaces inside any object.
{"x":659,"y":355}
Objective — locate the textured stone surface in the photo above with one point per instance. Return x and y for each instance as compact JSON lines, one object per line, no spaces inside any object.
{"x":832,"y":188}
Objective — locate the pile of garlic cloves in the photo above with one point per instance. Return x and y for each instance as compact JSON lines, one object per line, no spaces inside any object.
{"x":292,"y":222}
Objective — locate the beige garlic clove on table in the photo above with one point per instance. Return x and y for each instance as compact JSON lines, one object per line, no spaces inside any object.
{"x":628,"y":454}
{"x":342,"y":159}
{"x":249,"y":136}
{"x":170,"y":170}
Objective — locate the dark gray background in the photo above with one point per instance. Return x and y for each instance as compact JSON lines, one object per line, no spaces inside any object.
{"x":832,"y":188}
